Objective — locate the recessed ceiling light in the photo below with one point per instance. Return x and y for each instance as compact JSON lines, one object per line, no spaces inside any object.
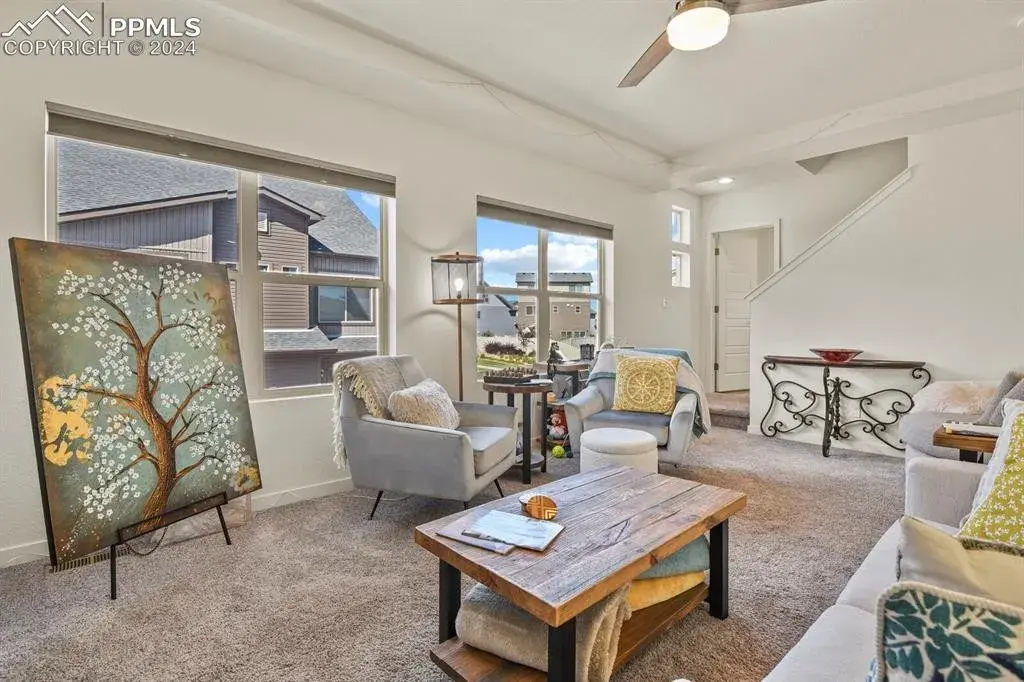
{"x":726,"y":180}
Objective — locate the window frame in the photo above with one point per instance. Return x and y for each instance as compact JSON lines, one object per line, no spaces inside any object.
{"x":683,"y":256}
{"x":244,"y":274}
{"x":685,"y":234}
{"x":543,"y":293}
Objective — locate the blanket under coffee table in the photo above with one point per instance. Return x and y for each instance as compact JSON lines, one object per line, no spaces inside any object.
{"x":618,"y":523}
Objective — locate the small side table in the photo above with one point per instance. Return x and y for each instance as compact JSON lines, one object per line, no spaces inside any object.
{"x":541,"y":387}
{"x":972,"y":447}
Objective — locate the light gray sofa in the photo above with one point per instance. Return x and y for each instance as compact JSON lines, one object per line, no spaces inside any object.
{"x":936,"y":404}
{"x":423,"y":460}
{"x":840,"y":645}
{"x":591,"y":408}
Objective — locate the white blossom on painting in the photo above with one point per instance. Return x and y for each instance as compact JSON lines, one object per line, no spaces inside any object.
{"x":152,"y":404}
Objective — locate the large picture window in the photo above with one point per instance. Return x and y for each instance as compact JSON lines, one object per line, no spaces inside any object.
{"x":304,"y":248}
{"x":544,"y":277}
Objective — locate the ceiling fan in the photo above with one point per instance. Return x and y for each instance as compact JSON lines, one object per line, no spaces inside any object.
{"x":697,"y":25}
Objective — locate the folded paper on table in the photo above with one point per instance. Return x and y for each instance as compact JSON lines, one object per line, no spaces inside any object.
{"x":511,"y":529}
{"x":453,"y":532}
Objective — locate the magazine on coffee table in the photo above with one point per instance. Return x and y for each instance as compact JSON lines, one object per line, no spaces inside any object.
{"x":453,"y":531}
{"x":512,"y":529}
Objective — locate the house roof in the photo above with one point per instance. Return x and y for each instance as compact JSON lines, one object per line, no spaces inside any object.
{"x":276,"y":340}
{"x":95,"y":177}
{"x":508,"y":304}
{"x":293,"y":340}
{"x":556,"y":277}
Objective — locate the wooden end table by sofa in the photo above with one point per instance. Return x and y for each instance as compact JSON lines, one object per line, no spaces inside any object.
{"x":541,"y":387}
{"x":619,"y":522}
{"x":973,"y":448}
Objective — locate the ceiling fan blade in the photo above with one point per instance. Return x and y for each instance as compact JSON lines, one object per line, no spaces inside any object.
{"x":658,"y":50}
{"x":747,"y":6}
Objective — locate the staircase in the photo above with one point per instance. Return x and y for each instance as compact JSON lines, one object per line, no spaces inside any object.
{"x":730,"y":410}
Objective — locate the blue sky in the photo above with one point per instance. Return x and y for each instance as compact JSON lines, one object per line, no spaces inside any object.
{"x":368,"y":203}
{"x":508,"y":248}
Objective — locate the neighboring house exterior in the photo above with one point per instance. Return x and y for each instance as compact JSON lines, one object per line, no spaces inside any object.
{"x":569,"y":319}
{"x":496,"y":316}
{"x":125,"y":200}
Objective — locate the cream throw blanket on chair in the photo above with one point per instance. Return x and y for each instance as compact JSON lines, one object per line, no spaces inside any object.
{"x":372,"y":380}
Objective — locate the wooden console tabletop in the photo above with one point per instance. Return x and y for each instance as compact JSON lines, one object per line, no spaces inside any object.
{"x":618,"y":523}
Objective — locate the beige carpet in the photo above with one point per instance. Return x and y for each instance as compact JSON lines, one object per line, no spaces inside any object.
{"x":314,"y":592}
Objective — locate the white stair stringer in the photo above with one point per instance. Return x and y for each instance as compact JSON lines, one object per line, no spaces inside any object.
{"x":824,"y":240}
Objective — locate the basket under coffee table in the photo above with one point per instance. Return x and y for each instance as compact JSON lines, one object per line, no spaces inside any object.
{"x":618,"y":523}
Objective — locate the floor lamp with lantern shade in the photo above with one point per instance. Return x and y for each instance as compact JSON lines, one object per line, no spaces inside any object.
{"x":457,"y":279}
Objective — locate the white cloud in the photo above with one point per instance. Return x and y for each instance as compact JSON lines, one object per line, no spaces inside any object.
{"x":564,"y":255}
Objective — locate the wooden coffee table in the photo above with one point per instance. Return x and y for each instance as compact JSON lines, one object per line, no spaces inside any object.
{"x":618,"y":523}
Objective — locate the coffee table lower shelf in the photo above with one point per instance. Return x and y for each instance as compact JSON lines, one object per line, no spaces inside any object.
{"x":464,"y":663}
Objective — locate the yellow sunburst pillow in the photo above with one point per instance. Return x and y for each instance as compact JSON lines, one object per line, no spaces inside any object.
{"x":645,"y":384}
{"x":1000,"y":517}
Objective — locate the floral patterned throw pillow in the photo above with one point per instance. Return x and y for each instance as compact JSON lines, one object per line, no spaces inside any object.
{"x":927,"y":634}
{"x":1000,"y":515}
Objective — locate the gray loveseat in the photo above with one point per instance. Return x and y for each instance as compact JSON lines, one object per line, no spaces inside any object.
{"x":840,"y":645}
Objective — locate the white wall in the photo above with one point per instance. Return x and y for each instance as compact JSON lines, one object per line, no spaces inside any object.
{"x":439,"y":174}
{"x":811,"y":205}
{"x":932,"y":273}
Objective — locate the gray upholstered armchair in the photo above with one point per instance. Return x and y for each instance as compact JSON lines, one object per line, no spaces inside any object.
{"x":591,"y":408}
{"x":423,"y":460}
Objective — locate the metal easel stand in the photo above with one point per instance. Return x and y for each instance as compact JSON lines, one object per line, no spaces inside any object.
{"x":133,"y":531}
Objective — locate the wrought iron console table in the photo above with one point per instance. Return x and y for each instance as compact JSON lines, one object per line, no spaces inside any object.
{"x":792,"y":396}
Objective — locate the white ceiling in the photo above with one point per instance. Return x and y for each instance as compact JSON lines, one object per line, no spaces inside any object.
{"x":789,"y":70}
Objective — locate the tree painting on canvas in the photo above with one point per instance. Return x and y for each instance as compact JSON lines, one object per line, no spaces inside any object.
{"x":137,"y":391}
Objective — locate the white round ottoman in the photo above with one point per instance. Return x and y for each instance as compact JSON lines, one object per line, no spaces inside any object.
{"x":625,"y":447}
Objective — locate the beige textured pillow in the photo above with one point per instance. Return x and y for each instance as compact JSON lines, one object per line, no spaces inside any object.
{"x":930,"y":555}
{"x":426,"y":403}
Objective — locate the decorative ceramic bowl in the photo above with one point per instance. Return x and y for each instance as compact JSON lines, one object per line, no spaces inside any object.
{"x":836,"y":354}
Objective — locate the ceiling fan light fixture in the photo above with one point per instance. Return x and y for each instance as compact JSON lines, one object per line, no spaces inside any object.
{"x":698,"y":25}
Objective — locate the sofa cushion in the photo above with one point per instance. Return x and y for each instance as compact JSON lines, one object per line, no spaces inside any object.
{"x":1012,"y":386}
{"x":918,"y":428}
{"x":490,"y":444}
{"x":998,"y":518}
{"x":997,"y":462}
{"x":654,"y":424}
{"x":645,"y":384}
{"x":426,"y":403}
{"x":838,"y":648}
{"x":878,"y":570}
{"x":927,"y":634}
{"x":935,"y":557}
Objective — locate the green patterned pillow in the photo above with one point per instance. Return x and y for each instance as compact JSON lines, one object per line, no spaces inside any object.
{"x":1000,"y":517}
{"x":926,"y":634}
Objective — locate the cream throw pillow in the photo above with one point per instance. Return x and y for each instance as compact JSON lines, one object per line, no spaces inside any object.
{"x":426,"y":403}
{"x":930,"y":555}
{"x":645,"y":384}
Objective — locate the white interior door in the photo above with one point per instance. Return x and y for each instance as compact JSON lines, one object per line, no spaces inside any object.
{"x":736,"y":265}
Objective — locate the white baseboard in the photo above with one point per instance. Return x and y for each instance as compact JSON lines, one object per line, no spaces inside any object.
{"x":815,"y":439}
{"x":22,"y":554}
{"x":38,"y":550}
{"x":268,"y":499}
